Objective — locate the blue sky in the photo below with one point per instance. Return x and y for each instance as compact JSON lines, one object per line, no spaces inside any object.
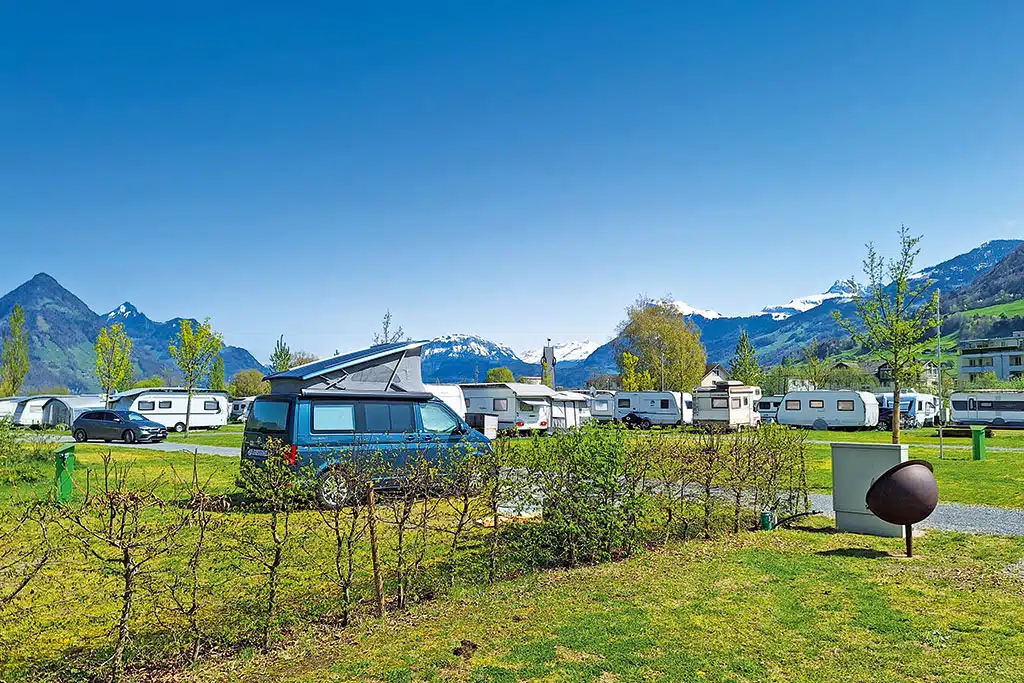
{"x":518,"y":170}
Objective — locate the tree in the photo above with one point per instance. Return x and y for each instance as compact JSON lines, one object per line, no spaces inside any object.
{"x":667,"y":345}
{"x":195,"y":351}
{"x":14,"y":357}
{"x":386,"y":334}
{"x":893,"y":314}
{"x":113,"y":360}
{"x":547,"y":374}
{"x":744,"y":366}
{"x":248,"y":383}
{"x":217,"y":382}
{"x":150,"y":383}
{"x":632,"y":380}
{"x":301,"y":358}
{"x":500,"y":375}
{"x":281,"y":358}
{"x":816,"y":366}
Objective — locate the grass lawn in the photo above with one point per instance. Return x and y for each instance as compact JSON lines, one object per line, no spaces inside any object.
{"x":802,"y":605}
{"x":229,"y":435}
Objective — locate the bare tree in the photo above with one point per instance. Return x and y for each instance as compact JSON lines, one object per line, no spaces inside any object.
{"x":25,"y":547}
{"x":387,"y":335}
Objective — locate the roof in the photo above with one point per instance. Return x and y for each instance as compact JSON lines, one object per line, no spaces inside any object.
{"x":319,"y":367}
{"x":569,"y":396}
{"x":161,"y":390}
{"x":80,"y":400}
{"x":518,"y":388}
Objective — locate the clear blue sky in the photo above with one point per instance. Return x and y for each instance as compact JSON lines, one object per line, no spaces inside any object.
{"x":516,"y":170}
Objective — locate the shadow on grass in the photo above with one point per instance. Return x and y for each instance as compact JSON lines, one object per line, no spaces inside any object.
{"x":866,"y":553}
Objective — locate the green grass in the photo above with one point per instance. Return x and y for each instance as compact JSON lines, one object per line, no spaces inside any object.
{"x":228,"y":436}
{"x":1011,"y":308}
{"x":806,"y":605}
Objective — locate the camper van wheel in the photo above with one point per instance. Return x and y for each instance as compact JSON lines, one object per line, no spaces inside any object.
{"x":128,"y":436}
{"x":180,"y":427}
{"x":332,"y":489}
{"x":645,"y":423}
{"x":81,"y":436}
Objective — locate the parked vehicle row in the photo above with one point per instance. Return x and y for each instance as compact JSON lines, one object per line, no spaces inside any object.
{"x":989,"y":407}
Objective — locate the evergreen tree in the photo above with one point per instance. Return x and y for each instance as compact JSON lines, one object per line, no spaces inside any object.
{"x":217,"y":382}
{"x":281,"y":358}
{"x":14,"y":357}
{"x":744,"y":366}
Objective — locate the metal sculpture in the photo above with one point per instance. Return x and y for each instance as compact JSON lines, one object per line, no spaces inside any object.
{"x":904,"y":495}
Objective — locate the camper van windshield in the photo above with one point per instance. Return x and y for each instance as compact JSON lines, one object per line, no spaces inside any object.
{"x":269,"y":417}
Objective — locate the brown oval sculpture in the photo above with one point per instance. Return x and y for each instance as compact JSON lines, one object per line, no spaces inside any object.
{"x":904,"y":495}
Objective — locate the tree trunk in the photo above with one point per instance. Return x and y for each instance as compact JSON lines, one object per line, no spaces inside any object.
{"x":127,"y":600}
{"x":378,"y":579}
{"x":188,"y":412}
{"x":895,"y":410}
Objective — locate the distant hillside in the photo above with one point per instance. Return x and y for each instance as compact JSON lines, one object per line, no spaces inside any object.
{"x":1002,"y":284}
{"x":62,"y":330}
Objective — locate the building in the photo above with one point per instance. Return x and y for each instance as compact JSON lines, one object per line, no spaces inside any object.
{"x":713,"y":374}
{"x":1002,"y":356}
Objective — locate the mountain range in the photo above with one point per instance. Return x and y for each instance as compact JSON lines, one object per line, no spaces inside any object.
{"x":62,"y":328}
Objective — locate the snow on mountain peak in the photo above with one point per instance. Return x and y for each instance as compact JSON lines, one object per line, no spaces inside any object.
{"x":687,"y":309}
{"x":839,"y":290}
{"x":125,"y":310}
{"x":466,"y":344}
{"x":565,"y":351}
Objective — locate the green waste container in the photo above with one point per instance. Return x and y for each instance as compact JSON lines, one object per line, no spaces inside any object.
{"x":978,"y":442}
{"x":64,"y":458}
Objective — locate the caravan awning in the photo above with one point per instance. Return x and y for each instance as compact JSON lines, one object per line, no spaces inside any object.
{"x":533,"y":401}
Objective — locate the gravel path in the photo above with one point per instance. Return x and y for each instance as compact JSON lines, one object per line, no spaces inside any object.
{"x":977,"y":519}
{"x":170,"y":447}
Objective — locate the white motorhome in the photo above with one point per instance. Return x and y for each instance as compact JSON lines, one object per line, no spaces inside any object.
{"x":62,"y":410}
{"x":922,"y":408}
{"x":726,"y":405}
{"x":240,"y":409}
{"x":991,"y":407}
{"x":602,"y":404}
{"x":768,"y":407}
{"x":520,"y":407}
{"x":840,"y":409}
{"x":568,"y":409}
{"x":452,"y":395}
{"x":650,"y":407}
{"x":167,"y":405}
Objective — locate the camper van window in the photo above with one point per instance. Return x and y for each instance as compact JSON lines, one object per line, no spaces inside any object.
{"x":211,"y":405}
{"x":719,"y":403}
{"x":436,"y":419}
{"x":500,"y":404}
{"x":816,"y":403}
{"x":985,"y":405}
{"x":164,"y":405}
{"x":764,"y":405}
{"x":689,"y":405}
{"x":334,"y":417}
{"x":736,"y":402}
{"x":623,"y":402}
{"x":664,"y":404}
{"x":146,"y":405}
{"x":383,"y":418}
{"x":920,"y":405}
{"x":601,"y":405}
{"x":844,"y":406}
{"x":792,"y":404}
{"x":269,"y":417}
{"x":746,"y":400}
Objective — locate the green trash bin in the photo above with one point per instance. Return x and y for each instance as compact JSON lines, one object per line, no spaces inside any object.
{"x":64,"y":458}
{"x":978,"y":442}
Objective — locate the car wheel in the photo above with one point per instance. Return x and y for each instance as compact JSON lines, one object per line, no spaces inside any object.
{"x":180,"y":427}
{"x":333,"y":489}
{"x":128,"y":436}
{"x":81,"y":436}
{"x":645,"y":424}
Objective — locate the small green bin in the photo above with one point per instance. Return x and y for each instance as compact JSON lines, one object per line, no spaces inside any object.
{"x":978,"y":442}
{"x":64,"y":458}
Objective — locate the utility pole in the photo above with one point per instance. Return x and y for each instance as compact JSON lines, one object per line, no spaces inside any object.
{"x":663,"y":367}
{"x":938,"y":354}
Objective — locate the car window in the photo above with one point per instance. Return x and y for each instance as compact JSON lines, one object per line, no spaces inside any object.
{"x":388,"y":418}
{"x":436,"y":419}
{"x":111,"y":417}
{"x":135,"y":417}
{"x":334,"y":417}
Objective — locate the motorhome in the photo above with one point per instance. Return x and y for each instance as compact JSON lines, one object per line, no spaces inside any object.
{"x":240,"y":409}
{"x":63,"y":410}
{"x":167,"y":405}
{"x":992,"y":407}
{"x":648,"y":408}
{"x":568,"y":410}
{"x":452,"y":396}
{"x":840,"y":409}
{"x":726,"y":405}
{"x":602,"y":404}
{"x":920,"y":409}
{"x":520,"y":407}
{"x":768,"y":407}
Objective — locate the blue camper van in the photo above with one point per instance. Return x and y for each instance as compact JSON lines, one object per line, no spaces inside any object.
{"x":319,"y":430}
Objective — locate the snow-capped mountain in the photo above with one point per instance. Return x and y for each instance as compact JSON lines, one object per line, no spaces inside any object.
{"x":467,"y":358}
{"x":687,"y":309}
{"x":456,"y":345}
{"x":565,"y":351}
{"x":839,"y":290}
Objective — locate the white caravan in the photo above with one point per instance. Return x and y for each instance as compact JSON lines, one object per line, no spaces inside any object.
{"x":726,"y":405}
{"x":768,"y":407}
{"x":568,"y":409}
{"x":240,"y":409}
{"x":62,"y":410}
{"x":8,"y":405}
{"x":518,"y":406}
{"x":841,"y":409}
{"x":28,"y":412}
{"x":650,"y":407}
{"x":991,"y":407}
{"x":602,"y":404}
{"x":452,"y":395}
{"x":166,"y":405}
{"x":923,"y":408}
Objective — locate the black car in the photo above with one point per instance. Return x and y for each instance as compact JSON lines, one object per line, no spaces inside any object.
{"x":634,"y":421}
{"x":121,"y":425}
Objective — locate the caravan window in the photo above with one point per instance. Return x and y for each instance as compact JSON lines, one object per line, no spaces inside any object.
{"x":601,"y":405}
{"x":500,"y":404}
{"x":334,"y":417}
{"x":211,"y":405}
{"x":736,"y":402}
{"x":793,"y":404}
{"x":164,"y":405}
{"x":623,"y":402}
{"x":816,"y":403}
{"x":844,"y":406}
{"x":746,"y":400}
{"x":986,"y":405}
{"x":719,"y":403}
{"x":526,"y":407}
{"x":664,"y":404}
{"x":764,"y":405}
{"x":146,"y":405}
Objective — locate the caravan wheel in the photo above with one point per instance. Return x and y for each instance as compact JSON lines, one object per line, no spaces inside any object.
{"x":645,"y":424}
{"x":180,"y":427}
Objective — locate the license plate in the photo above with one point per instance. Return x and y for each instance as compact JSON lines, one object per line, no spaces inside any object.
{"x":256,"y":453}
